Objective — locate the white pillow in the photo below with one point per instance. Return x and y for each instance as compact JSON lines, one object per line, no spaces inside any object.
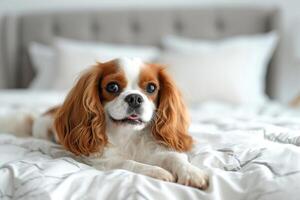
{"x":43,"y":61}
{"x":59,"y":65}
{"x":75,"y":56}
{"x":232,"y":70}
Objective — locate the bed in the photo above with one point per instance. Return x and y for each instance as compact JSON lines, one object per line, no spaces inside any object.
{"x":249,"y":152}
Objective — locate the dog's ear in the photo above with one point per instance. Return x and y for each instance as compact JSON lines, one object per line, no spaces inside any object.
{"x":172,"y":120}
{"x":80,"y":121}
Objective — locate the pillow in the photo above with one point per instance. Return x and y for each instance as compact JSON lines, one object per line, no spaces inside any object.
{"x":69,"y":57}
{"x":43,"y":61}
{"x":231,"y":70}
{"x":75,"y":56}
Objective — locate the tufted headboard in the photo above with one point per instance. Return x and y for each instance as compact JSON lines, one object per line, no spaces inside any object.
{"x":129,"y":25}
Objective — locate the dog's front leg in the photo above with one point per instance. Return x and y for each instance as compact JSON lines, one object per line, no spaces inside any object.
{"x":179,"y":166}
{"x":133,"y":166}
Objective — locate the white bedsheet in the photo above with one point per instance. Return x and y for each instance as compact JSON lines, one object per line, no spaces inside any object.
{"x":249,"y":153}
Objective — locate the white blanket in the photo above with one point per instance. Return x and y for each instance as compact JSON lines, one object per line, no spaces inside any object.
{"x":249,"y":153}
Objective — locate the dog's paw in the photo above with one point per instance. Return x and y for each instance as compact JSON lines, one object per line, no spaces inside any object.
{"x":192,"y":176}
{"x":160,"y":173}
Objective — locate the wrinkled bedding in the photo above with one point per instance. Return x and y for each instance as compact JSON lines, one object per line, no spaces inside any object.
{"x":249,"y":152}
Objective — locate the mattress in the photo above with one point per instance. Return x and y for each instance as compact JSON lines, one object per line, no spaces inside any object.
{"x":249,"y":152}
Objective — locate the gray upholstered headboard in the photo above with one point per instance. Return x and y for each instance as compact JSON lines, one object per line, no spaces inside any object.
{"x":130,"y":25}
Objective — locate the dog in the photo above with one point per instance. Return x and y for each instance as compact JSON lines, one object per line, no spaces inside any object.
{"x":126,"y":114}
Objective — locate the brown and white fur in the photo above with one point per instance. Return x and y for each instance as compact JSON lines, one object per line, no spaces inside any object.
{"x":126,"y":114}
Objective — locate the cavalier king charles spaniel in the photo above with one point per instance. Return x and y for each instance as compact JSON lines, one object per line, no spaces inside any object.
{"x":126,"y":114}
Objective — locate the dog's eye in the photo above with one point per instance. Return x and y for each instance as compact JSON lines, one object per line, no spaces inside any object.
{"x":112,"y":87}
{"x":150,"y":88}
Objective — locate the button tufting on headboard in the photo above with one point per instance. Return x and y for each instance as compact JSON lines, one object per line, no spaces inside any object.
{"x":178,"y":26}
{"x":55,"y":29}
{"x":95,"y":27}
{"x":135,"y":27}
{"x":220,"y":24}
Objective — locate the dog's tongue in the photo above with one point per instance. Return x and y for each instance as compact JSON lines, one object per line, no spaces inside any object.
{"x":133,"y":117}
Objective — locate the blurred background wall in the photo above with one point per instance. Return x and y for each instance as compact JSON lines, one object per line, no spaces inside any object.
{"x":288,"y":84}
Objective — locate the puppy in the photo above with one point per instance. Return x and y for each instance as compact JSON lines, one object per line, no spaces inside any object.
{"x":126,"y":114}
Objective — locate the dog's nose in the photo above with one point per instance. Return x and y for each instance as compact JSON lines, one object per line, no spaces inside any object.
{"x":134,"y":100}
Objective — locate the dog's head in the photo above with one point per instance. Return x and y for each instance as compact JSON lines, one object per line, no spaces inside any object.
{"x":122,"y":93}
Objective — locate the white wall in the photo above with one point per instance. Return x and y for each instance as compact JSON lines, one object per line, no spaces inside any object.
{"x":288,"y":80}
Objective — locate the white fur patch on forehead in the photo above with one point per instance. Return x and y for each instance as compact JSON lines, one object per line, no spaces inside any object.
{"x":131,"y":68}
